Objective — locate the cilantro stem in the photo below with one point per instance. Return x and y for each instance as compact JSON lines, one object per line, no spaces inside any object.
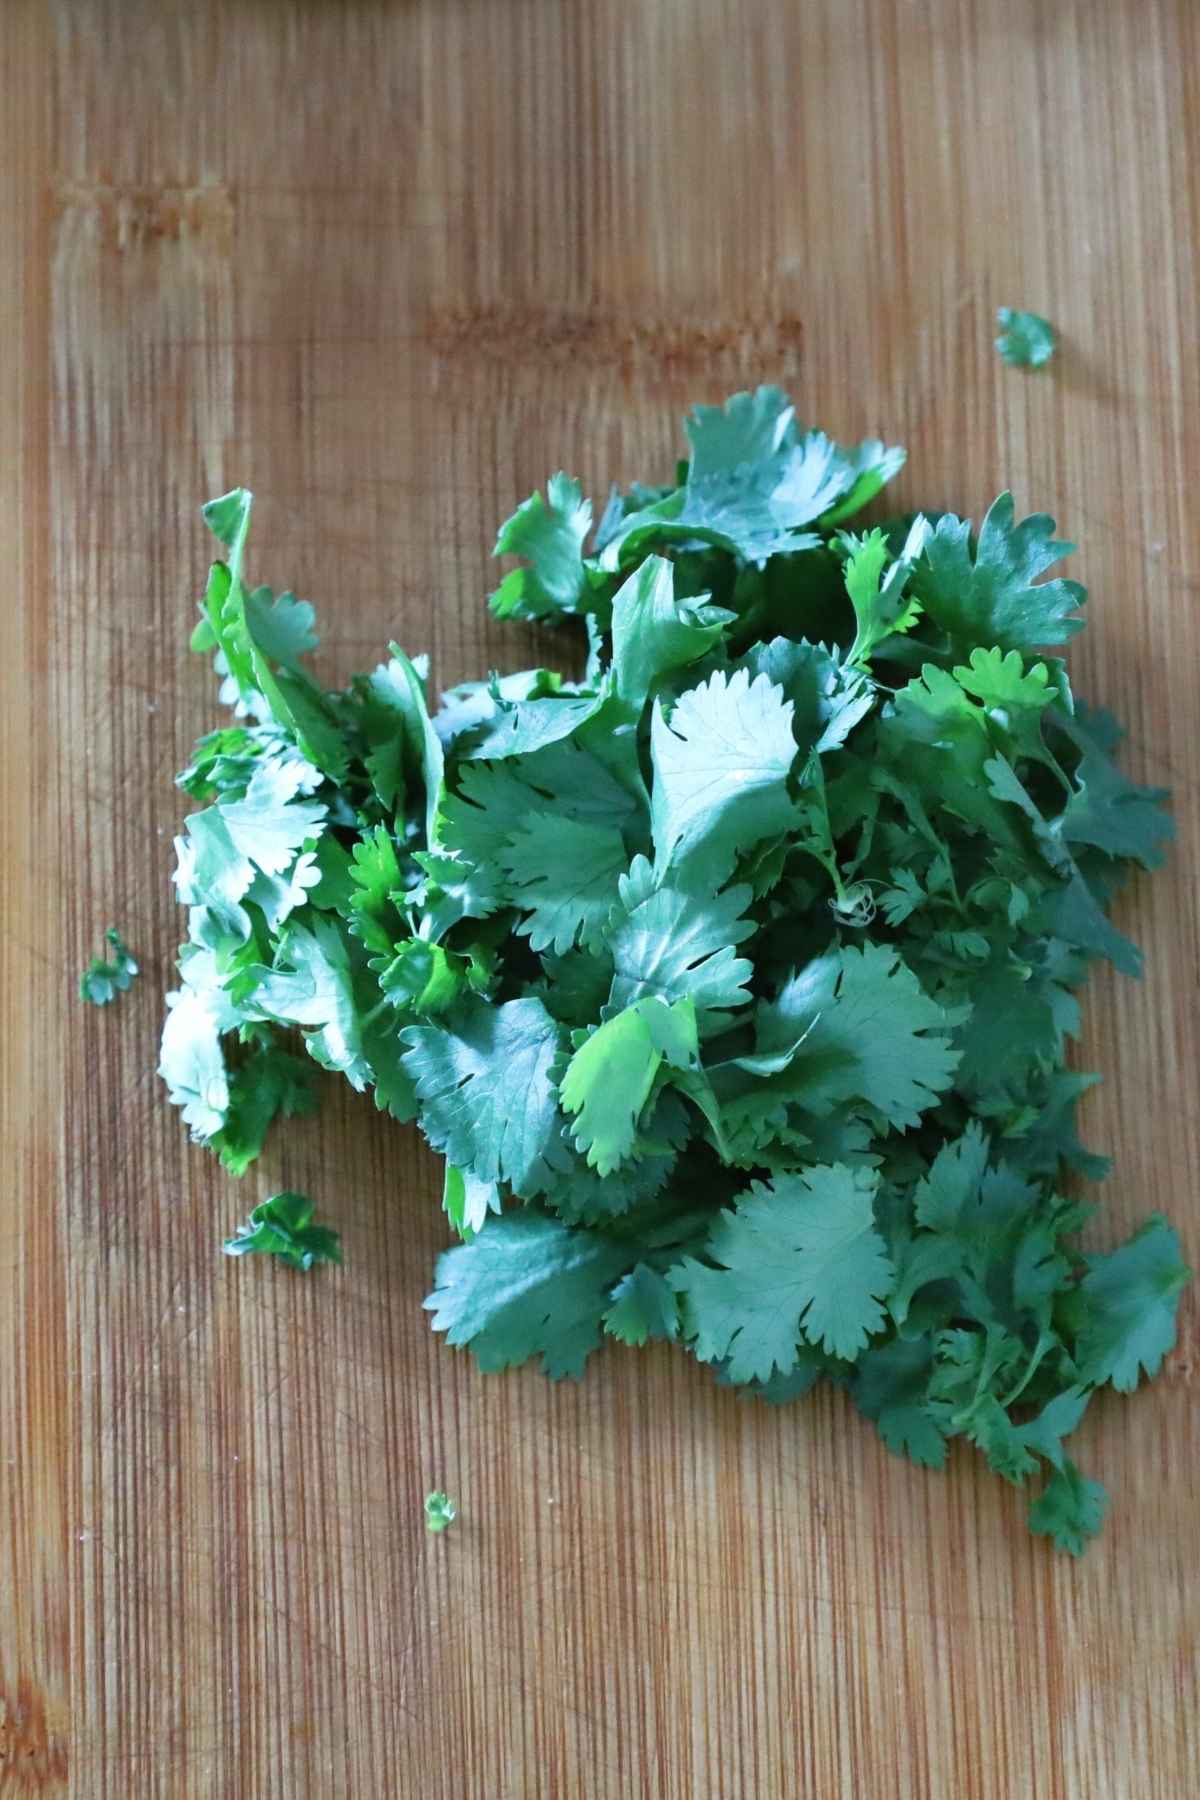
{"x":1039,"y":1350}
{"x":831,"y":869}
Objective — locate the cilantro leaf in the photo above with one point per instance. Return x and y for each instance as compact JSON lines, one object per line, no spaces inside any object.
{"x":105,"y":978}
{"x":527,"y":1286}
{"x":799,"y":1256}
{"x":312,"y":985}
{"x":424,"y":747}
{"x":644,"y":1308}
{"x":881,"y":605}
{"x":282,"y":626}
{"x":549,"y":534}
{"x":1129,"y":1300}
{"x":1057,"y":1419}
{"x":484,"y":1079}
{"x":268,"y":825}
{"x":525,"y":726}
{"x":580,"y":1196}
{"x":440,"y":1512}
{"x":828,"y":698}
{"x":855,"y":1024}
{"x":467,"y":1201}
{"x":1070,"y":1509}
{"x":282,"y":1226}
{"x":191,"y":1062}
{"x":611,"y":1076}
{"x":984,"y":593}
{"x":375,"y":883}
{"x":654,"y":634}
{"x":1014,"y":698}
{"x":421,"y":977}
{"x":755,"y":482}
{"x":890,"y":1387}
{"x":1106,"y":810}
{"x":1026,"y":340}
{"x":212,"y":877}
{"x":990,"y":1429}
{"x":721,"y":766}
{"x":270,"y":1083}
{"x":678,"y":944}
{"x":249,"y":639}
{"x":564,"y":873}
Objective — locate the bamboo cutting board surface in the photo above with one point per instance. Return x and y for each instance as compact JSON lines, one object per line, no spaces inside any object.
{"x":390,"y":265}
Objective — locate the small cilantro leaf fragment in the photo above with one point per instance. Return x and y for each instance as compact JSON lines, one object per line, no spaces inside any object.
{"x":734,"y":977}
{"x":282,"y":1226}
{"x":106,"y":977}
{"x":440,"y":1511}
{"x":1026,"y":340}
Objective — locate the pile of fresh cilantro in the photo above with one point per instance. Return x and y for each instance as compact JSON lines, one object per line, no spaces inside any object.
{"x":734,"y":980}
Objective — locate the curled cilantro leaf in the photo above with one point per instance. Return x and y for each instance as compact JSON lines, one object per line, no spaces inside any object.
{"x":282,"y":1226}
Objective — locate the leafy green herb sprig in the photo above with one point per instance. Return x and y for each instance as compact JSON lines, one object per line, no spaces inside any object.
{"x":281,"y":1226}
{"x":735,"y":980}
{"x":106,"y":977}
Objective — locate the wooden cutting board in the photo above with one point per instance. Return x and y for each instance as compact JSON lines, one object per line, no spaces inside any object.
{"x":390,"y":265}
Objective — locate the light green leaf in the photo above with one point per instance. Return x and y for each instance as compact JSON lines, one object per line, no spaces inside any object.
{"x":654,"y":634}
{"x":721,"y":766}
{"x":467,"y":1201}
{"x":611,"y":1076}
{"x":312,"y":986}
{"x":549,"y":534}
